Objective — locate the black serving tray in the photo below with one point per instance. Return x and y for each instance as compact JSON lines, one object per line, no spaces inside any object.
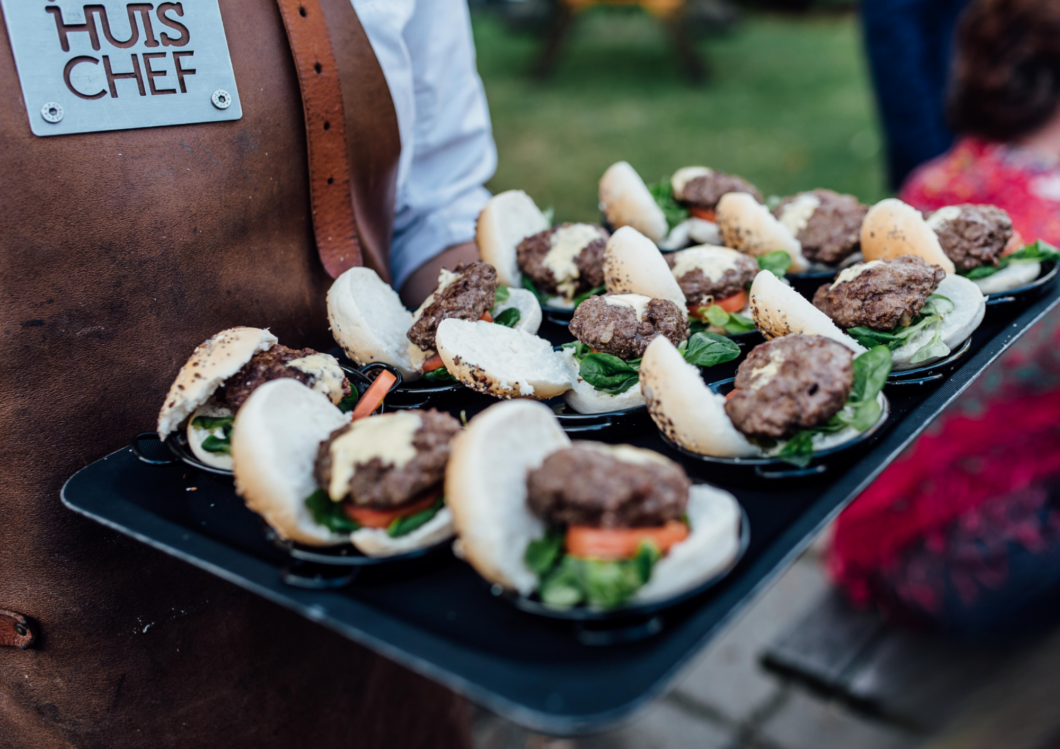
{"x":437,"y":618}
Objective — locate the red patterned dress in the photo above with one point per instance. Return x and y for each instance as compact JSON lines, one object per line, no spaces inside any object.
{"x":963,"y":531}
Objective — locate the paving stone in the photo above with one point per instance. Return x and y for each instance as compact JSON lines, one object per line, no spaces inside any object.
{"x":728,"y":677}
{"x":804,"y":722}
{"x":663,"y":726}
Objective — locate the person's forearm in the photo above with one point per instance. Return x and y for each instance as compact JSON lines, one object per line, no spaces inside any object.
{"x":425,"y":278}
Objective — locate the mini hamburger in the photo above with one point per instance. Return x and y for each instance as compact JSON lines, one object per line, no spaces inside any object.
{"x":372,"y":325}
{"x":221,"y":375}
{"x":318,"y":479}
{"x":582,"y":524}
{"x":792,"y":397}
{"x":984,"y":247}
{"x":915,"y":309}
{"x":561,"y":265}
{"x":643,"y":301}
{"x":700,"y":189}
{"x":826,"y":224}
{"x":715,"y":281}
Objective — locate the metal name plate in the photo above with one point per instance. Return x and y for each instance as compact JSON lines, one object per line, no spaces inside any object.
{"x":103,"y":65}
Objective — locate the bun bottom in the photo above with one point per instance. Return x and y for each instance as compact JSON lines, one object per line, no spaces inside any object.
{"x":1007,"y":279}
{"x":585,"y":399}
{"x":711,"y":547}
{"x":375,"y":542}
{"x":196,"y":437}
{"x":969,"y":310}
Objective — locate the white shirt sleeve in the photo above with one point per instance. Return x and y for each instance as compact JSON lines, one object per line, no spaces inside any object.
{"x":447,"y":152}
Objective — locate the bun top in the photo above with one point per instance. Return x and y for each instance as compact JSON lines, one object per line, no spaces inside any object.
{"x":507,"y":220}
{"x":626,"y":201}
{"x":893,"y":228}
{"x":634,"y":265}
{"x":748,"y":226}
{"x":212,"y":362}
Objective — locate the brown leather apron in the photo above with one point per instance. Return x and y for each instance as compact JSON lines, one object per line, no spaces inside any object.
{"x":119,"y":252}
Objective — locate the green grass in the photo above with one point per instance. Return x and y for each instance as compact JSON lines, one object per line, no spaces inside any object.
{"x":789,"y":107}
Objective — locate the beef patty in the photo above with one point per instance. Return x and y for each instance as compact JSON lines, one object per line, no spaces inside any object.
{"x":791,"y":383}
{"x":271,"y":364}
{"x":700,"y":289}
{"x":614,"y":328}
{"x":705,"y":192}
{"x":588,"y":263}
{"x":466,"y":298}
{"x":587,"y":485}
{"x":972,"y":235}
{"x":881,"y":294}
{"x":832,"y":232}
{"x":383,"y":485}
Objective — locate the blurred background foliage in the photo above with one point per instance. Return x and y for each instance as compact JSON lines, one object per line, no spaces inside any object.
{"x":788,"y":104}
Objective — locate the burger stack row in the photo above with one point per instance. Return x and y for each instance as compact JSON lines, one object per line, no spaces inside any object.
{"x":586,"y":523}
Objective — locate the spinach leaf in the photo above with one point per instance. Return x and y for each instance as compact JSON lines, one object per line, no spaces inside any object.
{"x":439,"y":375}
{"x":799,"y":449}
{"x":549,"y":214}
{"x":563,"y":586}
{"x":329,"y":514}
{"x":209,"y":423}
{"x":663,"y":193}
{"x":217,"y":445}
{"x":530,"y":286}
{"x":716,"y":316}
{"x":580,"y":349}
{"x":509,"y":318}
{"x":406,"y":525}
{"x":931,"y":314}
{"x":609,"y":374}
{"x":709,"y":349}
{"x":777,"y":262}
{"x":541,"y":555}
{"x":591,"y":292}
{"x":502,"y":295}
{"x":731,"y":322}
{"x":348,"y":403}
{"x":1038,"y":252}
{"x":871,"y":370}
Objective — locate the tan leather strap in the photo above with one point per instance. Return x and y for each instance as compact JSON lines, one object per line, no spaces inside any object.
{"x":334,"y":222}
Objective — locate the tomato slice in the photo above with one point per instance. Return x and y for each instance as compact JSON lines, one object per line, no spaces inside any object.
{"x":486,"y":316}
{"x":374,"y":395}
{"x":1015,"y":244}
{"x":707,"y":214}
{"x":621,"y":543}
{"x":733,"y":303}
{"x":435,"y":362}
{"x":730,"y":394}
{"x":369,"y":517}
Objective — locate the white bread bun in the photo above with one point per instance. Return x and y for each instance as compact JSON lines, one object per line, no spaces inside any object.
{"x":634,"y":265}
{"x":507,"y":220}
{"x":691,"y":231}
{"x":369,"y":321}
{"x":274,"y":447}
{"x":779,"y":310}
{"x":376,"y":542}
{"x":528,"y":306}
{"x":502,"y":362}
{"x":969,"y":309}
{"x":684,"y":408}
{"x":211,"y":363}
{"x":197,"y":436}
{"x":485,"y":487}
{"x":710,"y":549}
{"x":585,"y":399}
{"x":1007,"y":279}
{"x":748,"y":226}
{"x":893,"y":228}
{"x":626,"y":201}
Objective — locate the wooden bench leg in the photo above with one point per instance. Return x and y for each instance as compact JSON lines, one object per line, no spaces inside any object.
{"x":545,"y":64}
{"x":694,"y":66}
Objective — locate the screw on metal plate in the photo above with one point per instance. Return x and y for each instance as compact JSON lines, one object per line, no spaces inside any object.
{"x":221,"y":99}
{"x":52,"y":112}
